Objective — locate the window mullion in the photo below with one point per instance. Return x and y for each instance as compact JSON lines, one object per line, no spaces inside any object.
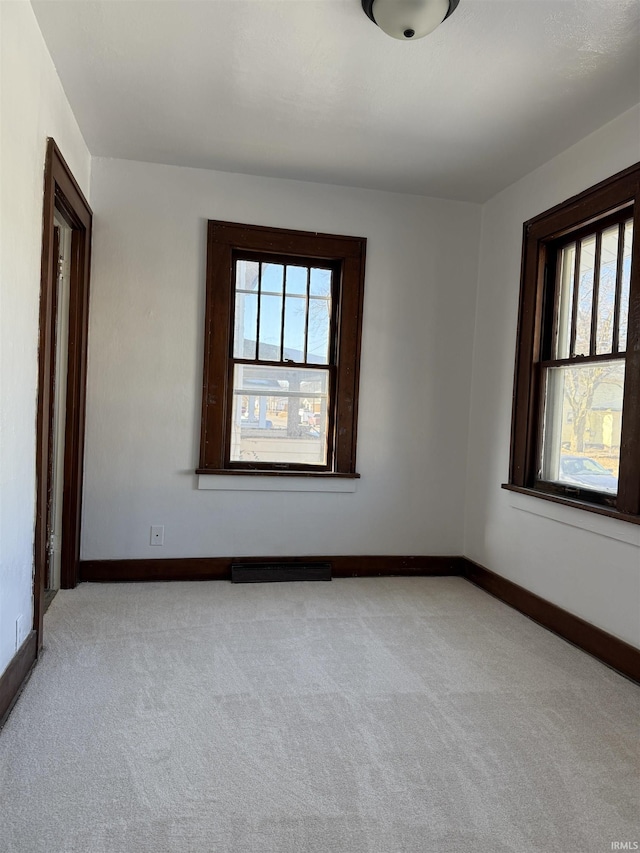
{"x":284,"y":312}
{"x":576,"y":294}
{"x":595,"y":295}
{"x":618,"y":296}
{"x":257,"y":349}
{"x":306,"y":318}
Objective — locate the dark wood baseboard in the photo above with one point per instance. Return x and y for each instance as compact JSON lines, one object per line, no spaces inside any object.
{"x":607,"y":648}
{"x":219,"y":568}
{"x":15,"y":676}
{"x":176,"y":569}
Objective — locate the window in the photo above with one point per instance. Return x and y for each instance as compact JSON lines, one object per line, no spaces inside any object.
{"x":576,"y":419}
{"x":282,"y":351}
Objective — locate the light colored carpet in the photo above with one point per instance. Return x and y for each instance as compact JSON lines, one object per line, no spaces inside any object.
{"x":382,"y":715}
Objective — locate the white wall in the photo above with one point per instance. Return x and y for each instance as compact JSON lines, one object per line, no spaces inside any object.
{"x":32,"y":107}
{"x":145,"y":369}
{"x":585,"y":563}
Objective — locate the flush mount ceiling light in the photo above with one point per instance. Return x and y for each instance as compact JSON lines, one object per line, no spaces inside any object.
{"x":408,"y":19}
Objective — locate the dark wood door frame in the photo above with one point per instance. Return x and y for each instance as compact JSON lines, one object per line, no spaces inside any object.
{"x":61,"y":193}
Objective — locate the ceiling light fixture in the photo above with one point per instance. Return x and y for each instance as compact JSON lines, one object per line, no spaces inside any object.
{"x":408,"y":19}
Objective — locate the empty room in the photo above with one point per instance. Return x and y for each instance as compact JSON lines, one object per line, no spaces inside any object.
{"x":320,"y":426}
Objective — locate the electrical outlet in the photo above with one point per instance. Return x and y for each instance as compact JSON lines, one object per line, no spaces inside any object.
{"x":18,"y":632}
{"x":157,"y":534}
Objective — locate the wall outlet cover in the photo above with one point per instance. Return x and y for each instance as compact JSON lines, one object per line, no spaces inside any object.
{"x":157,"y":534}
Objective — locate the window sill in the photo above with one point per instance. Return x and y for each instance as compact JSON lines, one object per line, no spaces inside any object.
{"x":276,"y":481}
{"x":562,"y":512}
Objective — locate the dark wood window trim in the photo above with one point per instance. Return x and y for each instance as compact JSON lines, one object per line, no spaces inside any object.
{"x":346,"y":255}
{"x":579,"y":216}
{"x":62,"y":193}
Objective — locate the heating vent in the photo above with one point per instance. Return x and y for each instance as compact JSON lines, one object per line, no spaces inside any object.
{"x":271,"y":572}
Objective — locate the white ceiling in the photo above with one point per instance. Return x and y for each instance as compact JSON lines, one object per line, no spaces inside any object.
{"x":313,"y":90}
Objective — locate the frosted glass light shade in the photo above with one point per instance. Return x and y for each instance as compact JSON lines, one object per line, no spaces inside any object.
{"x":410,"y":19}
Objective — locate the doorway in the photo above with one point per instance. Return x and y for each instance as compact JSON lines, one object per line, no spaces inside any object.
{"x":62,"y":361}
{"x":61,"y":281}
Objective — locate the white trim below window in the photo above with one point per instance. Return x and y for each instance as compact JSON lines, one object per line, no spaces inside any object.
{"x":601,"y":525}
{"x":264,"y":483}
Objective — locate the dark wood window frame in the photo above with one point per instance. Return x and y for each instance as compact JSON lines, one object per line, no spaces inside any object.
{"x":228,"y":241}
{"x":544,"y":236}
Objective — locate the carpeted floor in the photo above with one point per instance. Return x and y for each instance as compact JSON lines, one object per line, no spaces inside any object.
{"x":358,"y":716}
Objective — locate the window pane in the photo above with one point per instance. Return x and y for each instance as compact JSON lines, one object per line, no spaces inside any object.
{"x":272,"y":277}
{"x":297,"y":280}
{"x":247,"y":273}
{"x":295,"y":316}
{"x":245,"y":325}
{"x":279,"y":415}
{"x":320,"y":282}
{"x":565,"y":306}
{"x":319,"y":323}
{"x":585,"y":296}
{"x":607,"y":290}
{"x":583,"y":418}
{"x":624,"y":293}
{"x":270,"y":327}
